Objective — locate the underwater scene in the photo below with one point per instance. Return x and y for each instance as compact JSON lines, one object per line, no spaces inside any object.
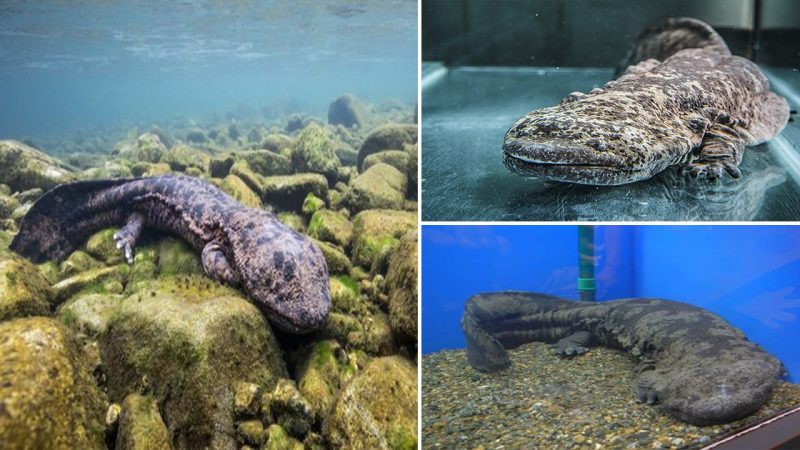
{"x":617,"y":337}
{"x":208,"y":224}
{"x":579,"y":110}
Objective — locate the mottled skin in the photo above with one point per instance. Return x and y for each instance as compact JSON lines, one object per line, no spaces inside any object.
{"x":283,"y":271}
{"x":697,"y":107}
{"x":695,"y":366}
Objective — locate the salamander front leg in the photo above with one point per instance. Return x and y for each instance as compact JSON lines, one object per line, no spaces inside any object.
{"x":573,"y":345}
{"x":720,"y":152}
{"x":216,"y":264}
{"x":127,"y":236}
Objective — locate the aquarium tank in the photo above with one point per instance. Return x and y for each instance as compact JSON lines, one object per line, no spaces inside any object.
{"x":500,"y":368}
{"x":190,"y":195}
{"x":487,"y":64}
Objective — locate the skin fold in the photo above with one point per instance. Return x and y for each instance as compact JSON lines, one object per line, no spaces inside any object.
{"x":683,"y":99}
{"x":694,"y":366}
{"x":283,"y":271}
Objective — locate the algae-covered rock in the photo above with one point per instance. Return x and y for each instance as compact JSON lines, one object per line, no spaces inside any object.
{"x":242,"y":170}
{"x":346,"y":295}
{"x":238,"y":189}
{"x":102,"y":246}
{"x":48,"y":397}
{"x":331,"y":226}
{"x":348,"y":111}
{"x":23,"y":290}
{"x":149,"y":148}
{"x":313,"y":151}
{"x":377,"y":337}
{"x":188,"y":341}
{"x":293,"y":221}
{"x":312,"y":204}
{"x":392,"y":136}
{"x":90,"y":281}
{"x":341,"y":327}
{"x":181,"y":157}
{"x":322,"y":371}
{"x":335,"y":258}
{"x":23,"y":167}
{"x":89,"y":314}
{"x":291,"y":409}
{"x":375,"y":231}
{"x":220,"y":167}
{"x":250,"y":432}
{"x":278,"y":439}
{"x":396,"y":158}
{"x":175,"y":256}
{"x":267,"y":163}
{"x":287,"y":193}
{"x":276,"y":142}
{"x":378,"y":409}
{"x":78,"y":261}
{"x":196,"y":136}
{"x":401,"y":283}
{"x":7,"y":205}
{"x":140,"y":425}
{"x":245,"y":399}
{"x":348,"y":156}
{"x":379,"y":187}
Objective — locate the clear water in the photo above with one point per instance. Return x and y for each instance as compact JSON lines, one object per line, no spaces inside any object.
{"x":69,"y":67}
{"x":467,"y":112}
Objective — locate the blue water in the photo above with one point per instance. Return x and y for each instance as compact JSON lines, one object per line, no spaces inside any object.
{"x":87,"y":65}
{"x":746,"y":274}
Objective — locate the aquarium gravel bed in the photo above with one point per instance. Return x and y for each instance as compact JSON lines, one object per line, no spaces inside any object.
{"x":545,"y":401}
{"x":466,"y":112}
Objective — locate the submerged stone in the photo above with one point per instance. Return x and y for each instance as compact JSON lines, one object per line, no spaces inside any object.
{"x":140,"y":425}
{"x":287,"y":193}
{"x":313,"y":151}
{"x":376,"y":231}
{"x":23,"y":167}
{"x":23,"y":290}
{"x":379,"y":187}
{"x":393,"y":136}
{"x":331,"y":226}
{"x":401,"y":283}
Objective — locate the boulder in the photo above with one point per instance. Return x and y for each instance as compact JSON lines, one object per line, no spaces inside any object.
{"x":189,"y":341}
{"x":48,"y":397}
{"x":23,"y":290}
{"x":401,"y":283}
{"x":346,"y":110}
{"x":287,"y":193}
{"x":377,"y":231}
{"x":331,"y":226}
{"x":377,"y":409}
{"x":175,"y":257}
{"x":242,"y":170}
{"x":89,"y":314}
{"x":102,"y":246}
{"x":140,"y":425}
{"x":313,"y":151}
{"x":392,"y":136}
{"x":395,"y":158}
{"x":278,"y":439}
{"x":291,"y":409}
{"x":149,"y":148}
{"x":312,"y":204}
{"x":276,"y":143}
{"x":379,"y":187}
{"x":196,"y":136}
{"x":239,"y":190}
{"x":323,"y":370}
{"x":335,"y":258}
{"x":267,"y":163}
{"x":23,"y":167}
{"x":346,"y":296}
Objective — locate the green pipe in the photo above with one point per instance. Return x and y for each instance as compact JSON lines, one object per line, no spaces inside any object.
{"x":586,"y":282}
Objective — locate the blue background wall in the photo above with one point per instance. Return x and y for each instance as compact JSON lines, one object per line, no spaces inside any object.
{"x":750,"y":275}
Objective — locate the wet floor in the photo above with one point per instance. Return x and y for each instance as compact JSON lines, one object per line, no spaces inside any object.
{"x":467,"y":111}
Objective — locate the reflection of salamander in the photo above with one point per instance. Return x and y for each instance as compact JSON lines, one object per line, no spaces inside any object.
{"x":696,"y":366}
{"x":282,"y":270}
{"x":683,"y":100}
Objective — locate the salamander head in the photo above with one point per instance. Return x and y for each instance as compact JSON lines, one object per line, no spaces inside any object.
{"x":583,"y":143}
{"x":282,"y":270}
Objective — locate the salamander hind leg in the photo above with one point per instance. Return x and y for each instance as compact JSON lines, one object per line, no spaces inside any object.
{"x":720,"y":152}
{"x":127,"y":236}
{"x":574,"y":344}
{"x":216,"y":264}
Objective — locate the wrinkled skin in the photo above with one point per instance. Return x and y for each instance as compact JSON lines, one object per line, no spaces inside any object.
{"x":283,"y":271}
{"x":696,"y":107}
{"x":694,"y":365}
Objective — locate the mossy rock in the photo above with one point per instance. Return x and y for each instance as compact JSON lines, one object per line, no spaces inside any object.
{"x":334,"y":257}
{"x":77,"y":262}
{"x":287,"y":193}
{"x":291,"y":409}
{"x":377,"y":409}
{"x":313,"y":151}
{"x":102,"y":246}
{"x":391,"y":136}
{"x":279,"y":439}
{"x":341,"y":327}
{"x":320,"y":374}
{"x":23,"y":290}
{"x":346,"y":295}
{"x":175,"y":257}
{"x":412,"y":172}
{"x":220,"y":167}
{"x":250,"y":432}
{"x":378,"y":231}
{"x":267,"y":163}
{"x":331,"y":226}
{"x":312,"y":204}
{"x":188,"y":341}
{"x":401,"y":283}
{"x":140,"y":425}
{"x":396,"y":158}
{"x":276,"y":142}
{"x":346,"y":154}
{"x":89,"y":314}
{"x":90,"y":281}
{"x":376,"y":338}
{"x":346,"y":110}
{"x":7,"y":205}
{"x":181,"y":157}
{"x":23,"y":167}
{"x":293,"y":221}
{"x":242,"y":170}
{"x":239,"y":190}
{"x":48,"y":397}
{"x":149,"y":148}
{"x":379,"y":187}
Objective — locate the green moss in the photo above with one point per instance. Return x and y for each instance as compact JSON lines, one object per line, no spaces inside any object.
{"x":175,"y":256}
{"x":399,"y":439}
{"x":313,"y":151}
{"x":312,"y":204}
{"x":23,"y":290}
{"x":331,"y":226}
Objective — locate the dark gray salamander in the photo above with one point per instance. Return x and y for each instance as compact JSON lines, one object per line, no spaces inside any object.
{"x":683,"y":100}
{"x":283,"y":271}
{"x":695,"y":366}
